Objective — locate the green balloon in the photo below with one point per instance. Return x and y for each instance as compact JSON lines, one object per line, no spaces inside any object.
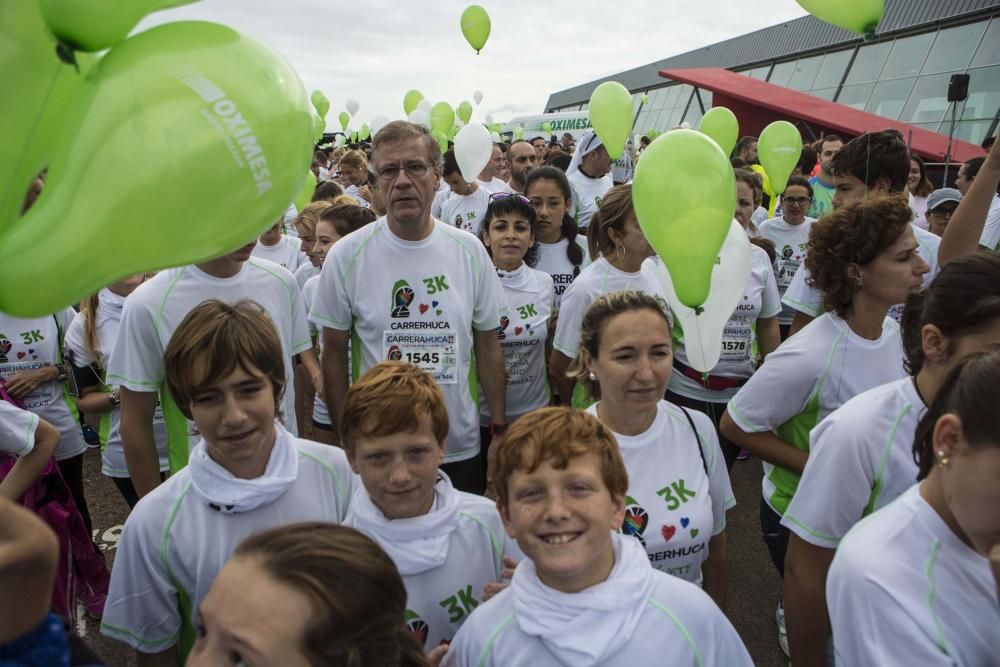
{"x":230,"y":126}
{"x":464,"y":111}
{"x":453,"y":132}
{"x":94,"y":25}
{"x":547,"y":127}
{"x":860,"y":16}
{"x":476,"y":26}
{"x":684,"y":193}
{"x":644,"y":98}
{"x":442,"y":139}
{"x":319,"y":127}
{"x":518,"y":132}
{"x":320,"y":103}
{"x":345,"y":120}
{"x":442,"y":117}
{"x":495,"y":127}
{"x":411,"y":100}
{"x":720,"y":123}
{"x":304,"y":197}
{"x":610,"y":112}
{"x":364,"y":132}
{"x":38,"y":89}
{"x":778,"y":149}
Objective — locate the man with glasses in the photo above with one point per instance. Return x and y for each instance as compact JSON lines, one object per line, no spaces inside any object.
{"x":412,"y":288}
{"x":941,"y":205}
{"x":789,"y":232}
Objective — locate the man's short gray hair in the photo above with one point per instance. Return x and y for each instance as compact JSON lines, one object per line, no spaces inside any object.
{"x":401,"y":130}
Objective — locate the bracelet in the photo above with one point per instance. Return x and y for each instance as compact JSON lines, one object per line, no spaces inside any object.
{"x":61,"y":369}
{"x":114,"y":398}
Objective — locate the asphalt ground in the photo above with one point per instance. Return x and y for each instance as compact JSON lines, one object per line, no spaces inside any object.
{"x":754,"y":585}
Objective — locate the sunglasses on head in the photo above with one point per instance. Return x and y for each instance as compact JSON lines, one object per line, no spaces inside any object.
{"x":498,"y":196}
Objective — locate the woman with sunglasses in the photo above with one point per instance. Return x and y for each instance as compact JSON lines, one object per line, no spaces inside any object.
{"x":789,"y":233}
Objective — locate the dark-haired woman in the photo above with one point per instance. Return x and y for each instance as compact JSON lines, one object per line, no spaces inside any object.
{"x":918,"y":186}
{"x":509,"y":236}
{"x":861,"y":453}
{"x":912,"y":584}
{"x":562,"y":253}
{"x":863,"y":260}
{"x":306,"y":595}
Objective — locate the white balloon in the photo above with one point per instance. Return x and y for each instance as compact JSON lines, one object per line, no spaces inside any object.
{"x":489,"y":119}
{"x":341,"y":141}
{"x":425,"y":105}
{"x":473,"y":149}
{"x":420,"y":117}
{"x":352,"y":107}
{"x":478,"y":97}
{"x":378,"y":123}
{"x":495,"y":138}
{"x":703,"y":331}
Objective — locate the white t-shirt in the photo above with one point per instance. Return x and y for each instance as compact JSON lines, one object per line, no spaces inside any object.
{"x":438,"y":600}
{"x":320,"y":413}
{"x":174,"y":544}
{"x":739,"y":337}
{"x":595,"y":281}
{"x":809,"y":376}
{"x":677,"y":624}
{"x":522,"y":333}
{"x":466,"y":212}
{"x":809,"y":300}
{"x":587,"y":195}
{"x":355,"y":193}
{"x":108,"y":318}
{"x":903,"y":589}
{"x":552,"y":259}
{"x":673,"y":507}
{"x":494,"y":185}
{"x":919,"y":206}
{"x":991,"y":231}
{"x":417,"y":301}
{"x":790,"y":244}
{"x":287,"y":252}
{"x":304,"y":273}
{"x":35,"y":342}
{"x":440,"y":197}
{"x":860,"y":459}
{"x":17,"y":429}
{"x":157,"y":307}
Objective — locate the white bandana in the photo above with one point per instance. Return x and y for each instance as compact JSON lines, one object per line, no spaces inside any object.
{"x":589,"y":143}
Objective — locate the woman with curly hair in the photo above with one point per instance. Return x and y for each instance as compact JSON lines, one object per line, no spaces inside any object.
{"x":863,"y":259}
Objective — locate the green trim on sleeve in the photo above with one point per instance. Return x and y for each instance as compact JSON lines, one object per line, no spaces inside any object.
{"x":184,"y":606}
{"x":680,"y":626}
{"x":497,"y":551}
{"x":135,"y":641}
{"x":338,"y":487}
{"x":942,"y":644}
{"x":883,"y":461}
{"x":799,"y":306}
{"x":815,"y":533}
{"x":485,"y":655}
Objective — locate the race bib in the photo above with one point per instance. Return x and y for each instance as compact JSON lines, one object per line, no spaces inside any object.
{"x":43,"y":394}
{"x":786,"y":271}
{"x":433,"y":351}
{"x":736,"y":343}
{"x":158,"y":414}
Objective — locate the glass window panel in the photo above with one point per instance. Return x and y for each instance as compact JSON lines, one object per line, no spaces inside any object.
{"x":889,"y":97}
{"x":636,"y":103}
{"x":953,"y":48}
{"x":973,"y":131}
{"x":984,"y":93}
{"x":805,"y":73}
{"x":989,"y":47}
{"x":856,"y":96}
{"x":782,"y":73}
{"x":933,"y":127}
{"x":583,"y":107}
{"x":706,"y":99}
{"x":642,"y":125}
{"x":683,"y":95}
{"x":869,"y":63}
{"x":928,"y":101}
{"x":831,"y":71}
{"x":760,"y":72}
{"x":655,"y":97}
{"x":693,"y":115}
{"x":907,"y":56}
{"x":825,"y":93}
{"x":671,"y":97}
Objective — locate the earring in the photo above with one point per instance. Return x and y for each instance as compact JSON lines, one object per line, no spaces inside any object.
{"x":593,"y":378}
{"x":621,"y":252}
{"x":942,"y":459}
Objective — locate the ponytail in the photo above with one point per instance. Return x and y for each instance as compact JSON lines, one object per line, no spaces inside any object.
{"x":573,"y":250}
{"x":911,"y":328}
{"x":88,"y":308}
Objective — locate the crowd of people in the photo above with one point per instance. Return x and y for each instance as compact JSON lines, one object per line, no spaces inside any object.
{"x":427,"y":421}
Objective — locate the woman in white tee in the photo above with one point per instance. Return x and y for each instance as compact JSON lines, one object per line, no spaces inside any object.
{"x":860,"y":456}
{"x":620,"y":252}
{"x":912,"y":583}
{"x":747,"y":338}
{"x":91,"y":338}
{"x":678,"y":490}
{"x":562,"y":252}
{"x":32,"y":440}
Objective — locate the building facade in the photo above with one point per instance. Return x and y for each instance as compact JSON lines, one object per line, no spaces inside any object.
{"x":901,"y":74}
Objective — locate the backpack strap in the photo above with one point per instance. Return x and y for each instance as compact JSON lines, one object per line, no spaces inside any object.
{"x":697,"y":438}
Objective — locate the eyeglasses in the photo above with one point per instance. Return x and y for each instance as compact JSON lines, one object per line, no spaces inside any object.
{"x":796,"y":201}
{"x":942,"y":212}
{"x":498,"y":196}
{"x":390,"y":172}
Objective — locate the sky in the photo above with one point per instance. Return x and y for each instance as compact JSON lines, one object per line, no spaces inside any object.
{"x":373,"y":51}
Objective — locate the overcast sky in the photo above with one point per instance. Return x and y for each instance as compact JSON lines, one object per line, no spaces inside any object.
{"x":376,"y":50}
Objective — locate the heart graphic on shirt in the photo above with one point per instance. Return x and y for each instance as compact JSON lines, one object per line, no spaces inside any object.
{"x":518,"y":330}
{"x":668,"y":532}
{"x":685,"y":521}
{"x":527,"y":325}
{"x":423,"y":308}
{"x":694,"y":533}
{"x":30,"y":351}
{"x":21,"y":355}
{"x":438,"y":312}
{"x":434,"y":303}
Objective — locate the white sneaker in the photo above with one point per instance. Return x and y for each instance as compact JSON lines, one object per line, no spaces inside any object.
{"x":779,"y":618}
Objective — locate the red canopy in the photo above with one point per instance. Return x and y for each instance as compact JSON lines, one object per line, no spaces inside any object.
{"x":758,"y":103}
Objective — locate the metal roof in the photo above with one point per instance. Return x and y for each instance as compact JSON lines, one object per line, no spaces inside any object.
{"x":783,"y":40}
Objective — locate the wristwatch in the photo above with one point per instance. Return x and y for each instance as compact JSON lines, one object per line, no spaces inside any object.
{"x":113,"y":397}
{"x":498,"y":428}
{"x":62,"y":372}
